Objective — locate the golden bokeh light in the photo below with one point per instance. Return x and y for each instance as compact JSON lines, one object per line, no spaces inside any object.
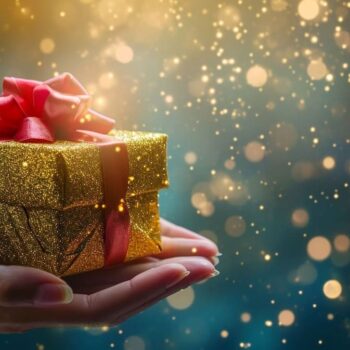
{"x":246,"y":317}
{"x":190,"y":158}
{"x":319,"y":248}
{"x":204,"y":206}
{"x":134,"y":342}
{"x":254,"y":151}
{"x":286,"y":318}
{"x":235,"y":226}
{"x":328,"y":163}
{"x":124,"y":53}
{"x":182,"y":299}
{"x":332,"y":289}
{"x":300,"y":217}
{"x":224,"y":333}
{"x":317,"y":69}
{"x":222,"y":186}
{"x":47,"y":46}
{"x":308,"y":9}
{"x":342,"y":243}
{"x":342,"y":39}
{"x":257,"y":76}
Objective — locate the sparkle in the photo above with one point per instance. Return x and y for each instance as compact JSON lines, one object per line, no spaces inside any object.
{"x":224,"y":333}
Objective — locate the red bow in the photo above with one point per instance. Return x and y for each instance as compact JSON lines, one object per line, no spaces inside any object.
{"x":58,"y":108}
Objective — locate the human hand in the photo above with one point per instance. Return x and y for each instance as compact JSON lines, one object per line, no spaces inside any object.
{"x":31,"y":298}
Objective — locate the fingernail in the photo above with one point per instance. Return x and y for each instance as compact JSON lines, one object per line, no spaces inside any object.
{"x":215,"y":273}
{"x":177,"y":280}
{"x":50,"y":294}
{"x":215,"y":260}
{"x":218,"y":254}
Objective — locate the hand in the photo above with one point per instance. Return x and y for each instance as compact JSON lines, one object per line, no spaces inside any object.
{"x":31,"y":298}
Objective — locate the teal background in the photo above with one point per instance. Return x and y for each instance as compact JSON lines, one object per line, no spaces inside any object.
{"x":158,"y":32}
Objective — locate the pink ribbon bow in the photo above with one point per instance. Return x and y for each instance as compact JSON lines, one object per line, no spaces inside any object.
{"x":58,"y":108}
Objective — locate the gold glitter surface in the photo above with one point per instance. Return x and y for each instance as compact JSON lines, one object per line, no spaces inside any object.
{"x":145,"y":230}
{"x":147,"y":161}
{"x":48,"y":193}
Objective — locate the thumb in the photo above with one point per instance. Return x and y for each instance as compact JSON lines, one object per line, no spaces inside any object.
{"x":26,"y":286}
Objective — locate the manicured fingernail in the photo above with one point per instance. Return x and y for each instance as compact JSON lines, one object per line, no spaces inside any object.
{"x":218,"y":254}
{"x":50,"y":294}
{"x":177,"y":280}
{"x":215,"y":260}
{"x":215,"y":273}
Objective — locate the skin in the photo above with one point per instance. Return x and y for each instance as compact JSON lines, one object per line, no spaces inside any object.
{"x":32,"y":298}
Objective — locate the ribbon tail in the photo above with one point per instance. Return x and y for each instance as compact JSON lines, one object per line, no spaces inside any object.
{"x":117,"y":233}
{"x":115,"y":170}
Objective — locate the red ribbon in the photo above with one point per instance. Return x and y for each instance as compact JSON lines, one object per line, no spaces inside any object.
{"x":58,"y":109}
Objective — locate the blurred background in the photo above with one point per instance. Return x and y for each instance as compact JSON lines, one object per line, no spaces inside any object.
{"x":254,"y":95}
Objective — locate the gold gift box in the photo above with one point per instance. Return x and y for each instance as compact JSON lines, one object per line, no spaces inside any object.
{"x":50,"y":202}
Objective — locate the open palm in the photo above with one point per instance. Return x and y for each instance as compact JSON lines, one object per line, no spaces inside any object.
{"x":31,"y":298}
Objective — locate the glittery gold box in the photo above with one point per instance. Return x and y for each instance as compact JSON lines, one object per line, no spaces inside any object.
{"x":48,"y":195}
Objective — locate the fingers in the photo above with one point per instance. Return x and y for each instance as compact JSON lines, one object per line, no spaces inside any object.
{"x":186,"y":247}
{"x":197,"y":273}
{"x":26,"y":286}
{"x":144,"y":287}
{"x":93,"y":281}
{"x":114,"y":304}
{"x":171,"y":230}
{"x":102,"y":307}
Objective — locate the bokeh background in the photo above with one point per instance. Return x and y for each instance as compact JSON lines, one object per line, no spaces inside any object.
{"x":254,"y":95}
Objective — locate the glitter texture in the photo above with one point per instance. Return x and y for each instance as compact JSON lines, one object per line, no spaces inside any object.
{"x":50,"y":202}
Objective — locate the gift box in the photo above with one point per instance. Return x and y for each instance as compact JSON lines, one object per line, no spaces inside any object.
{"x":76,"y":203}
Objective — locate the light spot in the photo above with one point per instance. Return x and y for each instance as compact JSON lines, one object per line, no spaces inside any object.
{"x":319,"y":248}
{"x":256,"y":76}
{"x":317,"y":70}
{"x":47,"y":46}
{"x":300,"y":217}
{"x":268,"y":323}
{"x":134,"y":343}
{"x":124,"y":53}
{"x":224,"y":333}
{"x":182,"y":299}
{"x":332,"y":289}
{"x":267,"y":257}
{"x":254,"y":151}
{"x":308,"y":9}
{"x":190,"y":158}
{"x":342,"y":243}
{"x":286,"y":318}
{"x":235,"y":226}
{"x":328,"y":163}
{"x":246,"y":317}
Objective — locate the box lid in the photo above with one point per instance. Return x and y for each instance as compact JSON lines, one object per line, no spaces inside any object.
{"x":67,"y":174}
